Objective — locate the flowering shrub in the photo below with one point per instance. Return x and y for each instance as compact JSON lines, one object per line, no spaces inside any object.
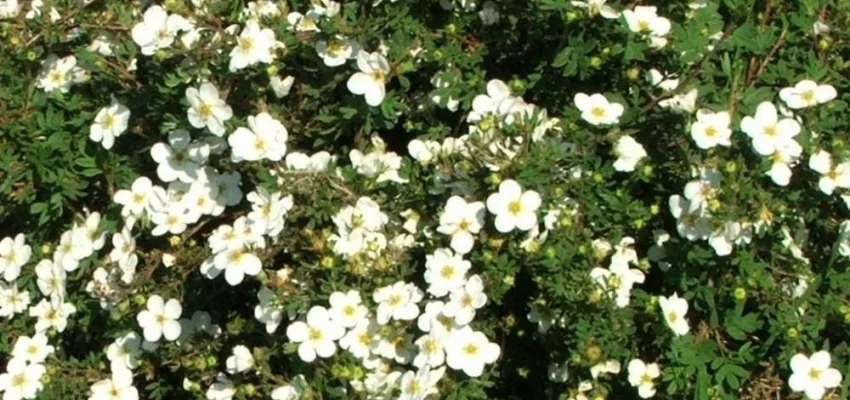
{"x":400,"y":199}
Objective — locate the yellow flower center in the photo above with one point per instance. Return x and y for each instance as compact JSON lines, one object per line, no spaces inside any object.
{"x":348,"y":310}
{"x":672,"y":316}
{"x":205,"y":111}
{"x":814,"y":374}
{"x":710,"y":131}
{"x":315,"y":334}
{"x":395,"y":300}
{"x":470,"y":349}
{"x":598,"y":112}
{"x":515,"y":207}
{"x":246,"y":45}
{"x":808,"y":96}
{"x":447,"y":272}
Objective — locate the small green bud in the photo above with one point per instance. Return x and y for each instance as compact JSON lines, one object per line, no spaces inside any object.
{"x":46,"y":248}
{"x":518,"y":86}
{"x":633,"y":73}
{"x":838,"y":143}
{"x":551,"y":253}
{"x":31,"y":55}
{"x":509,"y":280}
{"x":646,"y":171}
{"x":583,"y":249}
{"x":140,"y":299}
{"x":740,"y":294}
{"x":598,"y":178}
{"x":596,"y":62}
{"x":731,"y":167}
{"x":249,"y":389}
{"x":638,"y":223}
{"x":571,"y":16}
{"x":593,"y":352}
{"x":327,"y":262}
{"x":272,"y":70}
{"x":654,"y":209}
{"x":451,"y":29}
{"x":510,"y":321}
{"x":793,"y":333}
{"x":438,"y":55}
{"x":212,"y":360}
{"x":175,"y":240}
{"x":494,"y":179}
{"x":824,"y":44}
{"x":487,"y":256}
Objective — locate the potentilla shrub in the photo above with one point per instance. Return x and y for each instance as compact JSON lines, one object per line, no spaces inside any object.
{"x":454,"y":199}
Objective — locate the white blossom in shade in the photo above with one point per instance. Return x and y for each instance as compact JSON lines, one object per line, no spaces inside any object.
{"x":123,"y":246}
{"x":21,"y":380}
{"x":362,"y":339}
{"x":723,"y":239}
{"x":686,"y":102}
{"x":170,"y":220}
{"x":135,"y":200}
{"x":157,"y":30}
{"x":514,"y":208}
{"x":317,"y":162}
{"x":303,"y":23}
{"x":118,"y":387}
{"x":293,"y":391}
{"x":316,"y":336}
{"x":813,"y":375}
{"x":381,"y":165}
{"x":347,"y":308}
{"x":236,"y":263}
{"x":767,"y":131}
{"x":240,"y":361}
{"x":470,"y":351}
{"x":807,"y":93}
{"x":160,"y":319}
{"x":423,"y":151}
{"x":465,"y":300}
{"x":72,"y":248}
{"x":90,"y":231}
{"x":33,"y":349}
{"x":489,"y":13}
{"x":207,"y":109}
{"x":371,"y":80}
{"x":422,"y":384}
{"x":700,"y":191}
{"x":462,"y":221}
{"x":337,"y":50}
{"x":642,"y":376}
{"x":645,"y":20}
{"x":445,"y":272}
{"x":124,"y":351}
{"x":396,"y":347}
{"x":12,"y":300}
{"x":181,"y":159}
{"x":9,"y":9}
{"x":265,"y":138}
{"x":617,"y":281}
{"x":254,"y":45}
{"x":629,"y":153}
{"x":222,"y":389}
{"x":59,"y":74}
{"x":268,"y":210}
{"x":397,"y":301}
{"x":786,"y":156}
{"x":14,"y":253}
{"x":109,"y":123}
{"x":435,"y":321}
{"x":832,"y":176}
{"x":597,"y":110}
{"x":281,"y":87}
{"x":674,"y":309}
{"x":52,"y":313}
{"x":605,"y":367}
{"x":711,"y":129}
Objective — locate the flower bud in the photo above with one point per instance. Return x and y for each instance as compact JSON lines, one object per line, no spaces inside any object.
{"x":740,"y":294}
{"x":596,"y":62}
{"x":633,"y":73}
{"x":272,"y":70}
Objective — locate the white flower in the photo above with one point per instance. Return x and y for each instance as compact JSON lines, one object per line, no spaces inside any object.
{"x":674,"y":309}
{"x":236,"y":263}
{"x":629,"y":152}
{"x":370,"y":81}
{"x":316,"y":336}
{"x":59,"y":73}
{"x":135,"y":200}
{"x":618,"y":280}
{"x":642,"y":376}
{"x":33,"y":349}
{"x":50,"y":279}
{"x":265,"y":139}
{"x":645,"y":19}
{"x":423,"y":151}
{"x":157,"y":30}
{"x":9,"y":9}
{"x":361,"y":340}
{"x":222,"y":389}
{"x":123,"y":246}
{"x":118,"y":387}
{"x":337,"y":50}
{"x":52,"y":314}
{"x":254,"y":45}
{"x":109,"y":123}
{"x":785,"y":156}
{"x":812,"y":375}
{"x":465,"y":300}
{"x":293,"y":391}
{"x":14,"y":253}
{"x":807,"y":93}
{"x":606,"y":367}
{"x":160,"y":319}
{"x":180,"y":159}
{"x":281,"y":87}
{"x":420,"y":385}
{"x":431,"y":351}
{"x":462,"y":221}
{"x":595,"y":7}
{"x":469,"y":351}
{"x":241,"y":360}
{"x":711,"y":129}
{"x":381,"y":165}
{"x":597,"y":110}
{"x":489,"y":13}
{"x":767,"y":131}
{"x":445,"y":272}
{"x":124,"y":351}
{"x":681,"y":102}
{"x":514,"y":208}
{"x":832,"y":176}
{"x":317,"y":162}
{"x":21,"y":380}
{"x":347,"y":308}
{"x":207,"y":109}
{"x":12,"y":300}
{"x":398,"y":302}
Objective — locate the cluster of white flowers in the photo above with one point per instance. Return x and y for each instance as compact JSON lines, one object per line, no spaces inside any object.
{"x":379,"y":164}
{"x":618,"y":279}
{"x":60,"y":74}
{"x":446,"y":337}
